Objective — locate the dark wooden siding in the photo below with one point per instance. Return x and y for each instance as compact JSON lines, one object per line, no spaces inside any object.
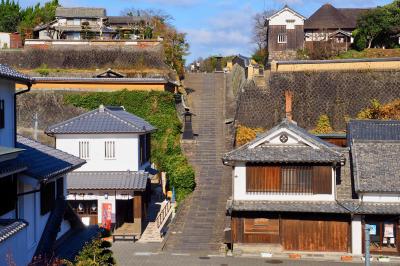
{"x":289,"y":179}
{"x":250,"y":230}
{"x":314,"y":232}
{"x":312,"y":235}
{"x":263,"y":178}
{"x":295,"y":38}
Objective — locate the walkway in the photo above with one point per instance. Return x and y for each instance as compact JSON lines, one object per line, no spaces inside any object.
{"x":199,"y":226}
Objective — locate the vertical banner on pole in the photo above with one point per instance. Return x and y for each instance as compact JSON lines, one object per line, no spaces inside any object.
{"x":106,"y":215}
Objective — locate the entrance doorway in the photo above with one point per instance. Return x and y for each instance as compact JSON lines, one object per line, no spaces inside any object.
{"x":123,"y":212}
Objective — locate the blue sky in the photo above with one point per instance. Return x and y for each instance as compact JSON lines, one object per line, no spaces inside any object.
{"x":215,"y":26}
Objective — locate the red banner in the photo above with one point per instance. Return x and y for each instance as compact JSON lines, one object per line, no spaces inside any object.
{"x":106,"y":215}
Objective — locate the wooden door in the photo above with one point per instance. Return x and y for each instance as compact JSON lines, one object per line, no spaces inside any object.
{"x":313,"y":235}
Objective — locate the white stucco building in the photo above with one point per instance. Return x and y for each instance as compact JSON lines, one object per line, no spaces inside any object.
{"x":112,"y":188}
{"x":32,"y":185}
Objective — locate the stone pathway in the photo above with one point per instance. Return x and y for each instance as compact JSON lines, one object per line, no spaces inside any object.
{"x":200,"y":223}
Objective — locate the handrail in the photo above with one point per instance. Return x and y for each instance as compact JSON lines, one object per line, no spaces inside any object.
{"x":163,"y":213}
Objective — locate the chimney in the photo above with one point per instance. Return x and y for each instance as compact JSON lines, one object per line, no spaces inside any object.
{"x":288,"y":105}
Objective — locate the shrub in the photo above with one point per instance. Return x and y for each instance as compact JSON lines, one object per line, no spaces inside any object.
{"x":94,"y":253}
{"x":246,"y":134}
{"x":158,"y":108}
{"x":323,"y":125}
{"x":378,"y":111}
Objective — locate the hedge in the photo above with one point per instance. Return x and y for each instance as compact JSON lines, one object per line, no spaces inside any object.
{"x":158,"y":108}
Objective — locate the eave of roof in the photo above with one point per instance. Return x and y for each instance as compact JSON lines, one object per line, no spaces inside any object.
{"x":101,"y":80}
{"x":9,"y":73}
{"x":108,"y":180}
{"x":11,"y":227}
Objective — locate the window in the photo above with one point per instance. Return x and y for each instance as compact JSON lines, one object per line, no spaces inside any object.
{"x":2,"y":117}
{"x":47,"y":197}
{"x":84,"y":150}
{"x":145,"y":148}
{"x":303,"y":179}
{"x":8,"y":194}
{"x":109,"y":149}
{"x":282,"y":38}
{"x":60,"y":187}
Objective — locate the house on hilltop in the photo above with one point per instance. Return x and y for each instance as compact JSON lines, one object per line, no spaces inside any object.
{"x":80,"y":23}
{"x":330,"y":23}
{"x":34,"y":216}
{"x":113,"y":188}
{"x":285,"y":34}
{"x":75,"y":23}
{"x":292,"y":191}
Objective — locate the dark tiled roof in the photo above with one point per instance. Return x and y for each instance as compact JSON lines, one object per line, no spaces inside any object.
{"x":9,"y":73}
{"x":350,"y":206}
{"x":108,"y":180}
{"x":287,"y":206}
{"x":126,"y":19}
{"x":274,"y":153}
{"x":373,"y":130}
{"x":12,"y":167}
{"x":45,"y":162}
{"x":101,"y":80}
{"x":376,"y":166}
{"x":10,"y":228}
{"x":102,"y":120}
{"x":329,"y":17}
{"x":80,"y":12}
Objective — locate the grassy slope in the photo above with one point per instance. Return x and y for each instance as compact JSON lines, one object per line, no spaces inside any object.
{"x":370,"y":53}
{"x":159,"y":109}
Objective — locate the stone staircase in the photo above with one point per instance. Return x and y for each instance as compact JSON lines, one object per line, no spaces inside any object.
{"x":200,"y":221}
{"x":159,"y":214}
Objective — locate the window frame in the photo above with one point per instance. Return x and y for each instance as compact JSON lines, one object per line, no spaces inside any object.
{"x":2,"y":114}
{"x":282,"y":37}
{"x":8,"y":196}
{"x":109,"y":150}
{"x":47,"y":197}
{"x":84,"y":149}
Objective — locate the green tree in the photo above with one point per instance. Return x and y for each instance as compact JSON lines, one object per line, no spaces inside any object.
{"x":9,"y":16}
{"x":323,"y":125}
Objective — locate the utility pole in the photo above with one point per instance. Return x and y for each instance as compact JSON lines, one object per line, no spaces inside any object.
{"x":367,"y":244}
{"x":35,"y":126}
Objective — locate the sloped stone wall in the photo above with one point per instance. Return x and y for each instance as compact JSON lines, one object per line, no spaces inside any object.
{"x":339,"y":94}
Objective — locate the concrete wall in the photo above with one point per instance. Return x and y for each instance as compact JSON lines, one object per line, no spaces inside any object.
{"x":49,"y":42}
{"x":126,"y":151}
{"x":334,"y":65}
{"x":7,"y":134}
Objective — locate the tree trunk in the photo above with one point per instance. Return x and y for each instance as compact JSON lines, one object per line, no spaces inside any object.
{"x":369,"y":43}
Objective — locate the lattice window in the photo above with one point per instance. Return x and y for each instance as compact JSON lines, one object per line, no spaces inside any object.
{"x":109,"y":149}
{"x":84,"y":152}
{"x":282,"y":38}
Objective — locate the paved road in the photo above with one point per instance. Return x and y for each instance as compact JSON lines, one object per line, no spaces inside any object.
{"x":200,"y":224}
{"x":129,"y":254}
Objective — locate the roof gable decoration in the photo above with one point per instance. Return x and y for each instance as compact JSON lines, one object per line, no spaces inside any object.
{"x":282,"y":136}
{"x":109,"y":73}
{"x":286,"y":8}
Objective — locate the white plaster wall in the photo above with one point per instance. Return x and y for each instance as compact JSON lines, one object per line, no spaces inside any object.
{"x":356,"y":235}
{"x":126,"y":151}
{"x":4,"y":39}
{"x":283,"y":16}
{"x":7,"y":90}
{"x":239,"y":190}
{"x":13,"y":247}
{"x":382,"y":197}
